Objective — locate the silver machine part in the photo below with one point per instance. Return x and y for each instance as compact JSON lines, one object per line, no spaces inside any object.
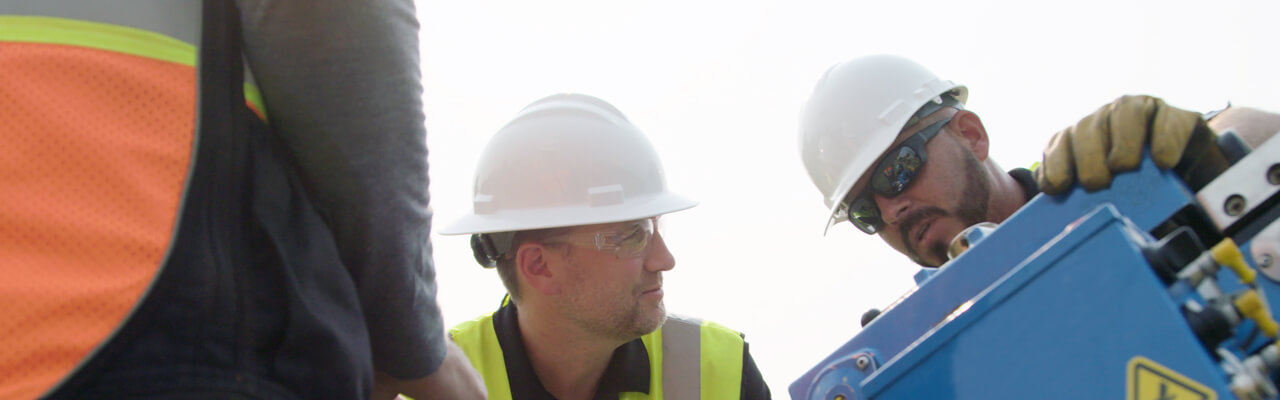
{"x":969,"y":237}
{"x":1265,"y":250}
{"x":1243,"y":187}
{"x":1247,"y":382}
{"x":1200,"y":268}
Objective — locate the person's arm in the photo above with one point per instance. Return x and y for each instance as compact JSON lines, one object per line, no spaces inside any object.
{"x":455,"y":379}
{"x":341,"y":84}
{"x":753,"y":386}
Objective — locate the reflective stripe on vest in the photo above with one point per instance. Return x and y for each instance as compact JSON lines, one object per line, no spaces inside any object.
{"x":148,"y":23}
{"x":689,"y":359}
{"x":713,"y":344}
{"x":681,"y":352}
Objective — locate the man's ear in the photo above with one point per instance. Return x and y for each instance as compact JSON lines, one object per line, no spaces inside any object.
{"x":532,"y":264}
{"x":972,"y":133}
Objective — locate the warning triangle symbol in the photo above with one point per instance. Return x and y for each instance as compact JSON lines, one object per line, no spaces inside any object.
{"x":1151,"y":381}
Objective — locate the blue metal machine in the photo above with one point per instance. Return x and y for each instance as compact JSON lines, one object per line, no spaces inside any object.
{"x":1146,"y":290}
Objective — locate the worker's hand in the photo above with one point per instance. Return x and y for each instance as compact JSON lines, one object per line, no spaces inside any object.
{"x":455,"y":379}
{"x":1111,"y":140}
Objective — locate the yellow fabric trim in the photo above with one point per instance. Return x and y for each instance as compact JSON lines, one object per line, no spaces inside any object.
{"x":95,"y":35}
{"x":115,"y":38}
{"x":721,"y":362}
{"x":479,"y":340}
{"x":254,"y":97}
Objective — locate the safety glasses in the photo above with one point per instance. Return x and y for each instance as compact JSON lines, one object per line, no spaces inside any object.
{"x":891,"y":175}
{"x":631,"y":240}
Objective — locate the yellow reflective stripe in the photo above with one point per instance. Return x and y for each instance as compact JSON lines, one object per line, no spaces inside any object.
{"x":95,"y":35}
{"x":115,"y":38}
{"x":479,"y":340}
{"x":721,"y":362}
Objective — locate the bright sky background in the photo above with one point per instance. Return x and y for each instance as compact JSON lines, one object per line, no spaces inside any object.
{"x":718,"y":85}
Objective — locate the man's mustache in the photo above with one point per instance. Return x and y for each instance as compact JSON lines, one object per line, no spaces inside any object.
{"x":908,"y":225}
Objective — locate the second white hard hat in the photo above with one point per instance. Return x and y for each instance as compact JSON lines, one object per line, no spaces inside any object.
{"x":566,"y":160}
{"x":855,"y":112}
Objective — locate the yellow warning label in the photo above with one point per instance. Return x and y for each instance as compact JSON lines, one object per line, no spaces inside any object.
{"x":1148,"y":380}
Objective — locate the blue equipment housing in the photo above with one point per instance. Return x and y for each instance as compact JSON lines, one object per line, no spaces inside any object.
{"x":1062,"y":301}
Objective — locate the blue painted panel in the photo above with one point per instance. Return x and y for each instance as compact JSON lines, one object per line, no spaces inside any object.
{"x":1147,"y":196}
{"x":1063,"y":325}
{"x":1058,"y":301}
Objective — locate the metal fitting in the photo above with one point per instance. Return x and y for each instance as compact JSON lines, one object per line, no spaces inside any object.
{"x":1234,"y":206}
{"x":969,"y":237}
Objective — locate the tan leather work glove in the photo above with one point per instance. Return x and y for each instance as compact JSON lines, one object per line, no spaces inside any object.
{"x":1111,"y":140}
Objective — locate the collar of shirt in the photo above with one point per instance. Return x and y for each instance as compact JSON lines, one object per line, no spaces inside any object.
{"x":628,"y":369}
{"x":1026,"y":180}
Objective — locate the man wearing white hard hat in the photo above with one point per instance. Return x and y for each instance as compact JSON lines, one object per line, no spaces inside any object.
{"x":894,"y":152}
{"x":566,"y":206}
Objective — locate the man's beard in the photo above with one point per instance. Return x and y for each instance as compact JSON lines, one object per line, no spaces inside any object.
{"x":610,"y":315}
{"x":971,"y":210}
{"x":627,"y":324}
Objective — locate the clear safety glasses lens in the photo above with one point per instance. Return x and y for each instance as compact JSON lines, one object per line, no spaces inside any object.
{"x":631,"y":240}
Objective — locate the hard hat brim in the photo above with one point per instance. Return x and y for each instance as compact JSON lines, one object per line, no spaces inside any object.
{"x":542,"y":218}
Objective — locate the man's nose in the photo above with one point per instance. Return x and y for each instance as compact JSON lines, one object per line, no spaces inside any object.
{"x":658,"y":258}
{"x":892,"y":208}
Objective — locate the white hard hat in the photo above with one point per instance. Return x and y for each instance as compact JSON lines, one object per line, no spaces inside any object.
{"x":855,"y":113}
{"x":566,"y":160}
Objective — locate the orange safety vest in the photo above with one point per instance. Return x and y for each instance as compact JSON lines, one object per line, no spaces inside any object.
{"x":97,"y":125}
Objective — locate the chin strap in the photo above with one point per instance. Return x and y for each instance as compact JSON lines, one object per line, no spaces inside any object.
{"x":488,"y":248}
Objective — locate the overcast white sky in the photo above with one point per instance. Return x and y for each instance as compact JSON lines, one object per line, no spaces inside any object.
{"x":718,"y":85}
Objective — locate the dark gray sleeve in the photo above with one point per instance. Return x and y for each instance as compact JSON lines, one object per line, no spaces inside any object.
{"x":341,"y":83}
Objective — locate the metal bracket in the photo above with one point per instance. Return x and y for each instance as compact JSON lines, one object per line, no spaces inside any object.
{"x":1243,"y":187}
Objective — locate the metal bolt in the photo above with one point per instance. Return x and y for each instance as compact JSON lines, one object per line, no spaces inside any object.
{"x":1234,"y":205}
{"x":1265,"y":261}
{"x":862,"y":362}
{"x":1273,"y":174}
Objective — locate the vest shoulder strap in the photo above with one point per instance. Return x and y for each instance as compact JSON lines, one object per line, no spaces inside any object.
{"x":700,"y":359}
{"x":479,"y":340}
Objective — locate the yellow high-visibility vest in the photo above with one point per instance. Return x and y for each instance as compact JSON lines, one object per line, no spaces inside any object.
{"x":688,"y":359}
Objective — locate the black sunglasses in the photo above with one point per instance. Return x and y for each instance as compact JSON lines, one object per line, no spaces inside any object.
{"x":891,"y":176}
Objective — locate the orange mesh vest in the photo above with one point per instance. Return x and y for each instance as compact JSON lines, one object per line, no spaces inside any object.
{"x":97,"y":126}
